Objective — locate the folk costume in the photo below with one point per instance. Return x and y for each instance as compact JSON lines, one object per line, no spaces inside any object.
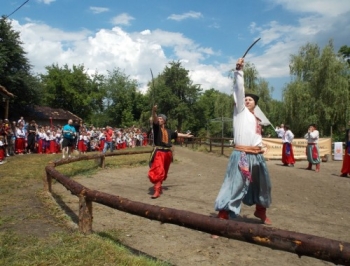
{"x":345,"y":170}
{"x":287,"y":149}
{"x":247,"y":178}
{"x":20,"y":140}
{"x":161,"y":156}
{"x":312,"y":149}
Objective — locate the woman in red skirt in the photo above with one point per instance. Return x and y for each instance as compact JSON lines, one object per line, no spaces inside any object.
{"x":287,"y":150}
{"x":345,"y":170}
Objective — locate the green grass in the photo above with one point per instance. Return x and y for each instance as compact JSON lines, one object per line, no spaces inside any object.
{"x":68,"y":249}
{"x":21,"y":188}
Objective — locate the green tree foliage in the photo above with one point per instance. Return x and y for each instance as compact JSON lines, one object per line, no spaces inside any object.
{"x":124,"y":103}
{"x":319,"y":90}
{"x":344,"y":51}
{"x":73,"y":90}
{"x":15,"y":70}
{"x":175,"y":94}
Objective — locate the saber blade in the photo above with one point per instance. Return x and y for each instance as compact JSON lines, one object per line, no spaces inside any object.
{"x":250,"y":47}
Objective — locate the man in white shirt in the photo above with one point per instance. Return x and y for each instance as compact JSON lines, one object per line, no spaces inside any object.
{"x":247,"y":179}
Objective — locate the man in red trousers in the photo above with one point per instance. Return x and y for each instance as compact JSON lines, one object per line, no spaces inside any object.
{"x":162,"y":153}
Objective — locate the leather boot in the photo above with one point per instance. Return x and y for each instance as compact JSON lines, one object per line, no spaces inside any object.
{"x":223,"y":214}
{"x":309,"y":167}
{"x":260,"y":212}
{"x":318,"y":166}
{"x":157,"y":188}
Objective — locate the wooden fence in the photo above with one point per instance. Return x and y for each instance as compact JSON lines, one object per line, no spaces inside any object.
{"x":301,"y":244}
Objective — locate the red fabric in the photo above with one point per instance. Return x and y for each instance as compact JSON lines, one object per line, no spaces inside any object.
{"x":102,"y":144}
{"x":40,"y":146}
{"x":346,"y":164}
{"x":52,"y":146}
{"x":2,"y":153}
{"x":109,"y":134}
{"x":48,"y":147}
{"x":287,"y":158}
{"x":160,"y":166}
{"x":20,"y":145}
{"x":81,"y":146}
{"x":314,"y":152}
{"x":145,"y":140}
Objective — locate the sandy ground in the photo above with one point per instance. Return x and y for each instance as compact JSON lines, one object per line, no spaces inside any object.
{"x":302,"y":201}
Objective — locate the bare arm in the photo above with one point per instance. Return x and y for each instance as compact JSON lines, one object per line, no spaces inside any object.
{"x":181,"y":135}
{"x":154,"y":115}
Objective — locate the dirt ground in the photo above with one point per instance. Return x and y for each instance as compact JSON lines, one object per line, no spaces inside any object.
{"x":302,"y":201}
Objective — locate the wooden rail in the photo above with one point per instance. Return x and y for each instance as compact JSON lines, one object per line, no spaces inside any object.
{"x":337,"y":252}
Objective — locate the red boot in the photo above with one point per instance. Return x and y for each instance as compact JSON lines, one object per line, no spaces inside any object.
{"x":318,"y":166}
{"x":309,"y":167}
{"x":157,"y":190}
{"x":223,"y":215}
{"x":260,"y":212}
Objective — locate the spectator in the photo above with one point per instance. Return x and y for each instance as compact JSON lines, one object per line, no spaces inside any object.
{"x":69,"y":136}
{"x":32,"y":131}
{"x":109,"y":140}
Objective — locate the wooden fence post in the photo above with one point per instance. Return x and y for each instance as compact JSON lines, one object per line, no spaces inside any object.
{"x":210,"y":144}
{"x":85,"y":215}
{"x":102,"y":161}
{"x":48,"y":179}
{"x":222,"y":146}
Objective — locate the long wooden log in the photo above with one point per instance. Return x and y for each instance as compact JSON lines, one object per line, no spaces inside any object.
{"x":98,"y":156}
{"x":334,"y":251}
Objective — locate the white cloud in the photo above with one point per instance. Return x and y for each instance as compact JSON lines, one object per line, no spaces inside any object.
{"x":98,"y":10}
{"x":187,"y":15}
{"x":324,"y":8}
{"x":134,"y":53}
{"x":122,"y":19}
{"x":280,"y":41}
{"x":47,"y":2}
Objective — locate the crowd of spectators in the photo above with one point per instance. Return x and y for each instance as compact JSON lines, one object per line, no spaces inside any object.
{"x":20,"y":137}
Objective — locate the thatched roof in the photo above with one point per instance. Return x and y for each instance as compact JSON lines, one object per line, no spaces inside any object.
{"x":45,"y":112}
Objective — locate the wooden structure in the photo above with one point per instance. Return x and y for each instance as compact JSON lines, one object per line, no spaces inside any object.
{"x":337,"y":252}
{"x":45,"y":115}
{"x":5,"y":100}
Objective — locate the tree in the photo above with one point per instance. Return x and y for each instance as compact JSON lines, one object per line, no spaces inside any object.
{"x":319,"y":90}
{"x":15,"y":70}
{"x":344,"y":51}
{"x":73,"y":90}
{"x":124,"y":103}
{"x":176,"y":94}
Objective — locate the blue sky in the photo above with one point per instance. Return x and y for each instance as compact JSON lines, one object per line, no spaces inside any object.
{"x":206,"y":36}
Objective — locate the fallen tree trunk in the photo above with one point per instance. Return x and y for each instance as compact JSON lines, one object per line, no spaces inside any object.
{"x":301,"y":244}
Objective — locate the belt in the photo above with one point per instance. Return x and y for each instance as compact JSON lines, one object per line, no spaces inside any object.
{"x":311,"y":143}
{"x":249,"y":149}
{"x":163,"y":148}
